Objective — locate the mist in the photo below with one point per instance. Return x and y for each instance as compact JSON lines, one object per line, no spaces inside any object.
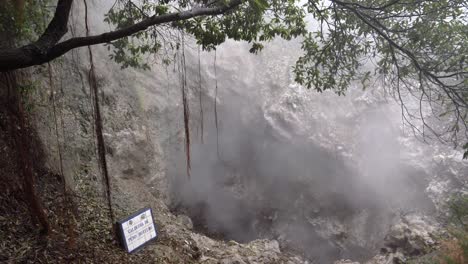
{"x":324,"y":175}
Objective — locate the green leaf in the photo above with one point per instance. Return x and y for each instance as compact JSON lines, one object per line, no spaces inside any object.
{"x":256,"y":47}
{"x":261,"y":4}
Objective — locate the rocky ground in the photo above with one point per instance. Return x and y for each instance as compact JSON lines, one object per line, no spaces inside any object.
{"x":93,"y":241}
{"x":412,"y":239}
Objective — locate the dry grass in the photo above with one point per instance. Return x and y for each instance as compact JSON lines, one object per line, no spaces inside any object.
{"x":455,"y":250}
{"x":452,"y":252}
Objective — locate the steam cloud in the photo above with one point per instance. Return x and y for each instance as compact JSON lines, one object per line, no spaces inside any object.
{"x":272,"y":180}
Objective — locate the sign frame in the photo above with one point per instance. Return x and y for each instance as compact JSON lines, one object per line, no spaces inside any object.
{"x":121,"y":234}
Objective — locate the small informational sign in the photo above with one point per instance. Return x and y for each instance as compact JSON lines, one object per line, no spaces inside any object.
{"x":137,"y":230}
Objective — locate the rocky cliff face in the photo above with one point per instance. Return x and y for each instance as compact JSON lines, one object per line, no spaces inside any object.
{"x":326,"y":176}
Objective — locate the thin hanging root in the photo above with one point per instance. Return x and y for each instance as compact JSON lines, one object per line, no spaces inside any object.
{"x":200,"y":95}
{"x":187,"y":131}
{"x":186,"y":109}
{"x":98,"y":121}
{"x":70,"y":218}
{"x":54,"y":110}
{"x":216,"y":107}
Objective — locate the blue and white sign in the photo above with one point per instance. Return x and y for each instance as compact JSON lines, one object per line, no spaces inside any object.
{"x":137,"y":230}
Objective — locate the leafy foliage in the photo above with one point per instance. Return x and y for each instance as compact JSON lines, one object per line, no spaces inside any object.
{"x":248,"y":22}
{"x":417,"y":48}
{"x":14,"y":25}
{"x":459,"y":213}
{"x":128,"y":51}
{"x":452,"y":250}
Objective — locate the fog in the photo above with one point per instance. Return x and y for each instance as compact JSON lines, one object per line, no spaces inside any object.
{"x":324,"y":175}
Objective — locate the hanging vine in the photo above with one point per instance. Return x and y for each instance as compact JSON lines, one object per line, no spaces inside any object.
{"x":216,"y":105}
{"x":68,"y":199}
{"x":200,"y":94}
{"x":183,"y":71}
{"x":98,"y":122}
{"x":57,"y":136}
{"x":76,"y":61}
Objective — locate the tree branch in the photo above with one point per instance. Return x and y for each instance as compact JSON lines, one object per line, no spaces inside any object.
{"x":454,"y":96}
{"x":46,"y":48}
{"x":57,"y":27}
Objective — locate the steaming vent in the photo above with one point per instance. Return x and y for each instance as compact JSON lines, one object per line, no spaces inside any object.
{"x":324,"y":175}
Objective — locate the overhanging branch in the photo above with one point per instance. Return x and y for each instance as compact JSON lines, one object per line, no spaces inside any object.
{"x":454,"y":96}
{"x":47,"y":48}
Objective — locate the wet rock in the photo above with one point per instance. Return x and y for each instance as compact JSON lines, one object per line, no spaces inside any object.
{"x":412,"y":236}
{"x":258,"y":251}
{"x":185,"y":221}
{"x":392,"y":258}
{"x":236,"y":259}
{"x":345,"y":261}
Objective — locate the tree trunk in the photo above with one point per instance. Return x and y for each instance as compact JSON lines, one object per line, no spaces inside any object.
{"x":21,"y":133}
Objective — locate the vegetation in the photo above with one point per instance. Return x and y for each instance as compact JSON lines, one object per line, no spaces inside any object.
{"x":13,"y":20}
{"x":416,"y":48}
{"x":453,"y":250}
{"x":459,"y":229}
